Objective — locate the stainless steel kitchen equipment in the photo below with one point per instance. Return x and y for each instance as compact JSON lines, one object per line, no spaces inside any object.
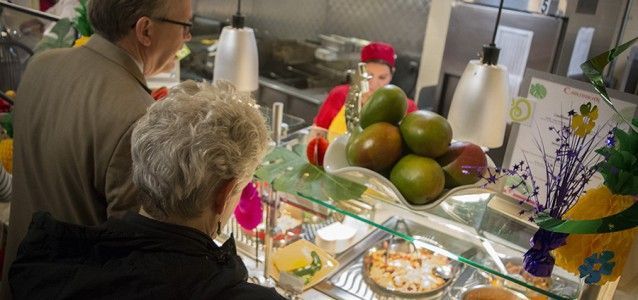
{"x":555,"y":28}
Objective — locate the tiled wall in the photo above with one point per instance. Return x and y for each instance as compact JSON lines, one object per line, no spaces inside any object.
{"x":399,"y":22}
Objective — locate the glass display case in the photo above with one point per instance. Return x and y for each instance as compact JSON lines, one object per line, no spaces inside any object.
{"x":476,"y":230}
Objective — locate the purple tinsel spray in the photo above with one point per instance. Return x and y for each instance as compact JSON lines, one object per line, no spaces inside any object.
{"x":569,"y":165}
{"x":538,"y":260}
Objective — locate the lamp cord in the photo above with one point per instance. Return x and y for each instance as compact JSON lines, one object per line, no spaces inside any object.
{"x":498,"y":20}
{"x":238,"y":19}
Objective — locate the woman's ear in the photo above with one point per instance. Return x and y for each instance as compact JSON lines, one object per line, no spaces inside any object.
{"x":222,"y":193}
{"x":142,"y":28}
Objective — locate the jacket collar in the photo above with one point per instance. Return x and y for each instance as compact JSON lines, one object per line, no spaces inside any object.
{"x":199,"y":241}
{"x":117,"y":55}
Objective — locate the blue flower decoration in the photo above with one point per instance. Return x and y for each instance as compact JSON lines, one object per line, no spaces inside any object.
{"x":597,"y":265}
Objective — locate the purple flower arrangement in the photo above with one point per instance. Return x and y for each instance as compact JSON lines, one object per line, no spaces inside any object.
{"x":568,"y":170}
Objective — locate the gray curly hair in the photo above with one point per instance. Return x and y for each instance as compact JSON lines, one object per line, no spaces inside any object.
{"x":186,"y":144}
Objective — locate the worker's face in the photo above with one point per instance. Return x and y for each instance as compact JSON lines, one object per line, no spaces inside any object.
{"x":381,"y":75}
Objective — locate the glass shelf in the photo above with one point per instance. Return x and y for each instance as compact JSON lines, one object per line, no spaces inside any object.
{"x":472,"y":227}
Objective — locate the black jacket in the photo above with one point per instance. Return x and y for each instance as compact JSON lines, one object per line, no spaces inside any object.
{"x":130,"y":258}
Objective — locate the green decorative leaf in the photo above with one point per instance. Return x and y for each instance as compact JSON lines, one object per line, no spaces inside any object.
{"x":7,"y":123}
{"x":300,"y":150}
{"x":275,"y":163}
{"x":626,"y":140}
{"x":585,"y":109}
{"x":606,"y":152}
{"x":61,"y":35}
{"x":538,"y":90}
{"x":633,"y":188}
{"x":289,"y":171}
{"x":623,"y":220}
{"x":593,"y":69}
{"x":620,"y":167}
{"x":81,"y":21}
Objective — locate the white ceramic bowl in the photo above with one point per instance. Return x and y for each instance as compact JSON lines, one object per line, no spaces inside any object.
{"x":336,"y":163}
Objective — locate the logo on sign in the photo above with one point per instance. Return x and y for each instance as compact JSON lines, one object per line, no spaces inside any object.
{"x":521,"y":110}
{"x":538,"y":90}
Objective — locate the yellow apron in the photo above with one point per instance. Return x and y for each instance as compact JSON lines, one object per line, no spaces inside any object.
{"x":338,"y":125}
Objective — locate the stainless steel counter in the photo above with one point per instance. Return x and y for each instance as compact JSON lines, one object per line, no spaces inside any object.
{"x":302,"y":103}
{"x":314,"y":96}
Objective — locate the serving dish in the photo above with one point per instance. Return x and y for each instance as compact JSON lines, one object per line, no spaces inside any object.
{"x":397,"y":268}
{"x":335,"y":163}
{"x":328,"y":264}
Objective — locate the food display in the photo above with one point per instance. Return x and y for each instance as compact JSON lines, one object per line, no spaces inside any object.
{"x":414,"y":151}
{"x":419,"y":179}
{"x":303,"y":263}
{"x":387,"y":106}
{"x":376,"y":148}
{"x":397,"y":269}
{"x":303,"y":260}
{"x":486,"y":292}
{"x":406,"y":272}
{"x":458,"y":161}
{"x":288,"y":229}
{"x":335,"y":237}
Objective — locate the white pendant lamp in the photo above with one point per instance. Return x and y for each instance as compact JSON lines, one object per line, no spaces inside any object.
{"x":236,"y":60}
{"x":478,"y":110}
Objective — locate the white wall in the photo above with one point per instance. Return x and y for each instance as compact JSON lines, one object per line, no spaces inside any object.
{"x":631,"y":31}
{"x":434,"y":44}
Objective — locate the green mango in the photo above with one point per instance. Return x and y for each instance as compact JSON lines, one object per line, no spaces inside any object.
{"x":376,"y":148}
{"x":426,"y":133}
{"x":387,"y":104}
{"x":419,"y":179}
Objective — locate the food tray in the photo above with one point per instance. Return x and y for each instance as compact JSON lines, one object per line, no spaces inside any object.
{"x":349,"y":282}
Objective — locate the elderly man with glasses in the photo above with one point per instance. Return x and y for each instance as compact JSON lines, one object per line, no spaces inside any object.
{"x":75,"y":112}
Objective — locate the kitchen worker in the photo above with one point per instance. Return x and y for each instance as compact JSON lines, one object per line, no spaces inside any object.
{"x":380,"y":62}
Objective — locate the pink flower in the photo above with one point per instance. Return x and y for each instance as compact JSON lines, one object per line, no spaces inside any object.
{"x":249,"y":211}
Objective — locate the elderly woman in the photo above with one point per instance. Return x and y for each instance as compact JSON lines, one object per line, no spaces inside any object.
{"x":193,"y":152}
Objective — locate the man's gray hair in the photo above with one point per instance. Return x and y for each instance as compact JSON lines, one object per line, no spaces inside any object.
{"x":189,"y":142}
{"x":113,"y":19}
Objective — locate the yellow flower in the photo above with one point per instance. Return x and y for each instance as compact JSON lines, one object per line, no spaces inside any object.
{"x":81,"y":41}
{"x":585,"y":122}
{"x":10,"y":93}
{"x":6,"y":154}
{"x":594,"y":204}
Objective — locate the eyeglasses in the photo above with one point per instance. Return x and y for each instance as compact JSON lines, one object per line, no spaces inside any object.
{"x":186,"y":25}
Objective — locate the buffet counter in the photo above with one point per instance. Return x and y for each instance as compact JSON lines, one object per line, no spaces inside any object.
{"x":474,"y":235}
